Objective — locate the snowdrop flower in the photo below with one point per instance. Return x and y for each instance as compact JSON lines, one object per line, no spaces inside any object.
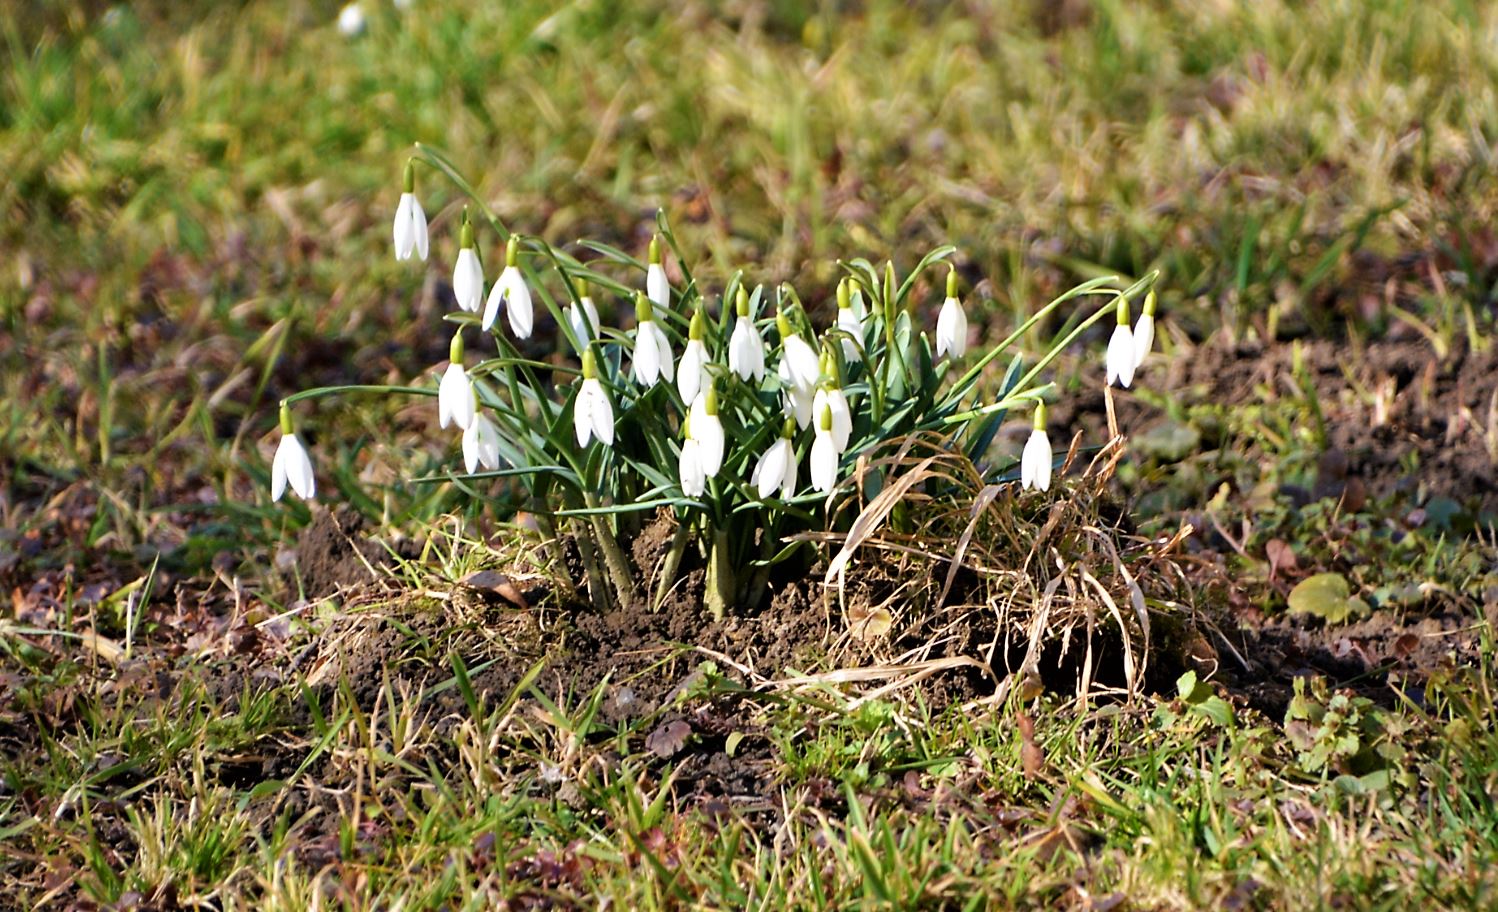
{"x":481,"y":444}
{"x":746,"y":347}
{"x":582,"y":315}
{"x":468,"y":273}
{"x":855,"y":300}
{"x":592,"y":413}
{"x":689,"y":466}
{"x":656,"y":284}
{"x":951,"y":324}
{"x":707,"y":430}
{"x":849,"y":321}
{"x":410,"y":220}
{"x":1120,"y":361}
{"x":511,"y":291}
{"x":1144,"y":331}
{"x":456,"y":402}
{"x":799,"y":371}
{"x":291,"y":463}
{"x":824,"y":454}
{"x":1035,"y":463}
{"x":652,"y":355}
{"x":692,"y":377}
{"x":776,"y":469}
{"x":830,"y":397}
{"x":351,"y":20}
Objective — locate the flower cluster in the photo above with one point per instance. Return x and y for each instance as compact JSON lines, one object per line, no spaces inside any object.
{"x":720,"y":433}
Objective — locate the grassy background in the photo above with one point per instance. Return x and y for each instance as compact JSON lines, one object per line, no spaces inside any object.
{"x":194,"y":222}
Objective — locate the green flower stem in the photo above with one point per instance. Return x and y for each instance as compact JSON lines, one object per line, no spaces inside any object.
{"x":721,"y":589}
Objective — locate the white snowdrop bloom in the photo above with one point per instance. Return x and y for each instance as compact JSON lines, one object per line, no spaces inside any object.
{"x":410,"y":220}
{"x":653,"y":359}
{"x":803,"y":368}
{"x":689,"y":468}
{"x":776,"y":469}
{"x":746,"y":347}
{"x":798,"y":399}
{"x":1120,"y":359}
{"x":850,"y":322}
{"x":592,"y":413}
{"x":582,"y":315}
{"x":468,"y":273}
{"x":832,"y":398}
{"x":707,"y":430}
{"x":510,"y":290}
{"x":692,"y":376}
{"x":824,"y":454}
{"x":481,"y":444}
{"x":456,"y":403}
{"x":351,"y":20}
{"x":951,"y":323}
{"x":1035,"y":462}
{"x":1144,"y":331}
{"x":657,"y":287}
{"x":291,"y":464}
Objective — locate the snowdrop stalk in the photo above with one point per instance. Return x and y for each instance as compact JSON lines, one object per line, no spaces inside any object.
{"x":410,"y":220}
{"x":593,"y":413}
{"x":510,"y":290}
{"x":291,"y":464}
{"x":1035,"y":463}
{"x":692,"y":376}
{"x":1120,"y":359}
{"x":456,"y":403}
{"x":776,"y":468}
{"x":951,"y":323}
{"x":824,"y":454}
{"x":746,"y":347}
{"x":1144,"y":330}
{"x":652,"y":354}
{"x":656,"y":284}
{"x":468,"y":273}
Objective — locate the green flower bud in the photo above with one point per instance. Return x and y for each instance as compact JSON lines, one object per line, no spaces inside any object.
{"x":844,"y":296}
{"x":286,"y":426}
{"x":741,"y":302}
{"x":1039,"y":424}
{"x":408,"y":179}
{"x":655,"y":249}
{"x":590,"y":365}
{"x":783,"y":325}
{"x":465,"y":234}
{"x":824,"y":421}
{"x":788,"y":430}
{"x":512,"y":251}
{"x":1149,"y":303}
{"x":1123,"y":311}
{"x":455,"y":348}
{"x":695,"y":328}
{"x":952,"y":282}
{"x":711,"y":404}
{"x":644,"y":313}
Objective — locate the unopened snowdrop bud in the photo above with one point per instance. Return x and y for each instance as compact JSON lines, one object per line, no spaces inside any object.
{"x":707,"y":430}
{"x":291,"y":464}
{"x":776,"y":468}
{"x":951,"y":324}
{"x":1144,"y":330}
{"x":746,"y":347}
{"x":693,"y":376}
{"x":410,"y":220}
{"x":456,"y":403}
{"x":1035,"y":463}
{"x":653,"y":359}
{"x":656,"y":284}
{"x":468,"y":273}
{"x":592,"y":413}
{"x":582,"y":315}
{"x":689,"y":466}
{"x":849,"y":322}
{"x":824,"y":454}
{"x":511,"y":291}
{"x":889,"y":291}
{"x":480,"y":445}
{"x":1120,"y":359}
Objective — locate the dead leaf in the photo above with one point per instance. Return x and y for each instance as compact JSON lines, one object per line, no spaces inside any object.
{"x":869,"y":623}
{"x":491,"y":583}
{"x":668,"y":739}
{"x":1281,"y":557}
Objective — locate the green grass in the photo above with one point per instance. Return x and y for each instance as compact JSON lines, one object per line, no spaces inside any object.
{"x":194,"y":223}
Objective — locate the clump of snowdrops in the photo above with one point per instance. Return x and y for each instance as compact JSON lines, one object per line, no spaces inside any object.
{"x":734,"y":409}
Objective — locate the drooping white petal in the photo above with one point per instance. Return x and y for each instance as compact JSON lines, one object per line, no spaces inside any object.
{"x":481,"y":445}
{"x":278,"y":469}
{"x":299,"y":470}
{"x":602,"y":412}
{"x":692,"y":375}
{"x":798,"y":400}
{"x":455,"y":399}
{"x":848,"y":322}
{"x":776,"y":469}
{"x":708,"y":432}
{"x":582,"y":415}
{"x":404,"y":228}
{"x":746,"y":350}
{"x":584,"y":321}
{"x":1120,"y":360}
{"x":646,"y":367}
{"x":663,"y":351}
{"x":419,"y":226}
{"x":693,"y":479}
{"x":951,"y":329}
{"x":518,"y":302}
{"x":1144,"y":338}
{"x":823,"y":461}
{"x":842,"y":415}
{"x":468,"y":281}
{"x":657,"y":288}
{"x":803,"y":367}
{"x":1035,"y":463}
